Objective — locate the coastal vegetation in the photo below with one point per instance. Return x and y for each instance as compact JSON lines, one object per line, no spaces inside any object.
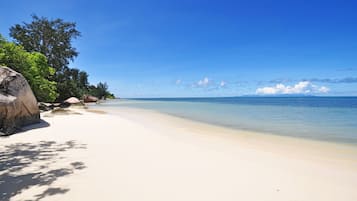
{"x":42,"y":51}
{"x":33,"y":66}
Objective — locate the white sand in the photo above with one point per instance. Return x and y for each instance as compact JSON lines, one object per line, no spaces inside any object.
{"x":143,"y":155}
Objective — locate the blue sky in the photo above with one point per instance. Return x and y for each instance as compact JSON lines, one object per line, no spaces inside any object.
{"x":184,"y":48}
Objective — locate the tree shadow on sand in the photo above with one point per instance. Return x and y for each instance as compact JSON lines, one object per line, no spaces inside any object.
{"x":16,"y":159}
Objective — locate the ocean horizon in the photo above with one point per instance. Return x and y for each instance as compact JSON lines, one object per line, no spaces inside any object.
{"x":330,"y":119}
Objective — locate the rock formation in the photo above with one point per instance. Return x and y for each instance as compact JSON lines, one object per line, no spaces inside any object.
{"x":18,"y":105}
{"x":73,"y":101}
{"x":90,"y":99}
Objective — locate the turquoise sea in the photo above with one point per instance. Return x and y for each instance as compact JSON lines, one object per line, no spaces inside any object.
{"x":320,"y":118}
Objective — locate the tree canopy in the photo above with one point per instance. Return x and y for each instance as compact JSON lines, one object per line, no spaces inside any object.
{"x":100,"y":91}
{"x":72,"y":82}
{"x":50,"y":37}
{"x":53,"y":39}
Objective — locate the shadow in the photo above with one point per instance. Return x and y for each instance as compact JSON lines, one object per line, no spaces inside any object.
{"x":16,"y":159}
{"x":41,"y":124}
{"x":51,"y":192}
{"x":78,"y":165}
{"x":62,"y":111}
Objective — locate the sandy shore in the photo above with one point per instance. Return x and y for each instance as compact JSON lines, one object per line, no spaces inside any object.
{"x":143,"y":155}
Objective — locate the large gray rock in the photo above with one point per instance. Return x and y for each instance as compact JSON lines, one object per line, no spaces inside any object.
{"x":18,"y":105}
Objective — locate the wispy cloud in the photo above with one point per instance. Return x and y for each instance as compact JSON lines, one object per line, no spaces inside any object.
{"x":323,"y":89}
{"x":204,"y":82}
{"x":337,"y":80}
{"x":209,"y":84}
{"x":303,"y":87}
{"x":346,"y":80}
{"x":178,"y":82}
{"x":281,"y":80}
{"x":222,"y":84}
{"x":347,"y":69}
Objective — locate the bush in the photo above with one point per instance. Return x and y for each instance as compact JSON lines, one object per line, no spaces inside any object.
{"x":33,"y":66}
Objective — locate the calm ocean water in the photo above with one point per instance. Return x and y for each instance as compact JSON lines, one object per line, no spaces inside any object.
{"x":322,"y":118}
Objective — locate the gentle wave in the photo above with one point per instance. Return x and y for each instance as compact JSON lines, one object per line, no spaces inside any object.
{"x":321,"y":118}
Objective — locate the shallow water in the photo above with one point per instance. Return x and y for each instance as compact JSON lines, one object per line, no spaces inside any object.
{"x":321,"y":118}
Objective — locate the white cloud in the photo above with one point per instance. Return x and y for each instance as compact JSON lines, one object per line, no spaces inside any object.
{"x":209,"y":84}
{"x":222,"y":84}
{"x":204,"y":82}
{"x":303,"y":87}
{"x":178,"y":81}
{"x":324,"y":89}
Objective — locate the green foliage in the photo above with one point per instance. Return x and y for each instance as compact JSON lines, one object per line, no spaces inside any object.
{"x":33,"y":66}
{"x":39,"y":73}
{"x":110,"y":96}
{"x":100,"y":91}
{"x":53,"y":39}
{"x":72,"y":82}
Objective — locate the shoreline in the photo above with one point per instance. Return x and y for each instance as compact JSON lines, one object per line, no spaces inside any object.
{"x":256,"y":139}
{"x":231,"y":129}
{"x":146,"y":155}
{"x":313,"y":123}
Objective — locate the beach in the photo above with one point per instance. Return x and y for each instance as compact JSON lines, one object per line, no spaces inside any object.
{"x":137,"y":154}
{"x":178,"y":101}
